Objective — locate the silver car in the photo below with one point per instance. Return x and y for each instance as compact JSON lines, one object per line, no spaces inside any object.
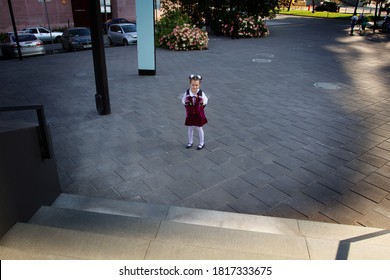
{"x":122,"y":33}
{"x":77,"y":38}
{"x":29,"y":45}
{"x":44,"y":34}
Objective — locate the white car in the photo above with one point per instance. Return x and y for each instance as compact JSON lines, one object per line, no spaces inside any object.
{"x":43,"y":34}
{"x":122,"y":33}
{"x":29,"y":45}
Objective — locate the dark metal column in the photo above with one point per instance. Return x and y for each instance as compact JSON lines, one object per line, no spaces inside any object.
{"x":11,"y":11}
{"x":99,"y":59}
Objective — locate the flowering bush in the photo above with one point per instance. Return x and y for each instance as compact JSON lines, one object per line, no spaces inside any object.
{"x":184,"y":38}
{"x":248,"y":27}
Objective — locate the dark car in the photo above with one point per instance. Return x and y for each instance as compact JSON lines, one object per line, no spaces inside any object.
{"x":107,"y":24}
{"x":328,"y":7}
{"x":77,"y":38}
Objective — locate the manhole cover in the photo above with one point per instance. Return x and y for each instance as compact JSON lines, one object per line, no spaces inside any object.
{"x":332,"y":86}
{"x":261,"y":60}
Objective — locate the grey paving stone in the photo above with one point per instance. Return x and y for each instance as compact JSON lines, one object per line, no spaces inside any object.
{"x":274,"y":169}
{"x":215,"y":197}
{"x":319,"y":168}
{"x":161,"y":196}
{"x":82,"y":173}
{"x":370,"y":191}
{"x":321,"y":193}
{"x":304,"y":155}
{"x":305,"y":204}
{"x":343,"y":154}
{"x":287,"y":185}
{"x":382,"y":153}
{"x":278,"y":150}
{"x":174,"y":156}
{"x":284,"y":210}
{"x":249,"y":205}
{"x":270,"y":195}
{"x":131,"y":171}
{"x":372,"y":159}
{"x":304,"y":176}
{"x":184,"y":188}
{"x":219,"y":156}
{"x":332,"y":161}
{"x":107,"y":180}
{"x":342,"y":214}
{"x":200,"y":163}
{"x":355,"y":148}
{"x":383,"y":208}
{"x":252,"y":144}
{"x":131,"y":189}
{"x":384,"y":170}
{"x":379,"y":181}
{"x":266,"y":139}
{"x":154,"y":164}
{"x":257,"y":178}
{"x":375,"y":219}
{"x":336,"y":183}
{"x":208,"y":178}
{"x":180,"y":171}
{"x":245,"y":162}
{"x":357,"y":202}
{"x":237,"y":187}
{"x":349,"y":174}
{"x":361,"y":166}
{"x":264,"y":156}
{"x":228,"y":170}
{"x":156,"y":180}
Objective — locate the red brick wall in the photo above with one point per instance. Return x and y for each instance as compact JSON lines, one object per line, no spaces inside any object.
{"x":30,"y":12}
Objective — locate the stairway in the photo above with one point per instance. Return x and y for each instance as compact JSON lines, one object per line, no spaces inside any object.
{"x":79,"y":227}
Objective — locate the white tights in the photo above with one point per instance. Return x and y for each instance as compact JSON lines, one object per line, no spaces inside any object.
{"x":191,"y":134}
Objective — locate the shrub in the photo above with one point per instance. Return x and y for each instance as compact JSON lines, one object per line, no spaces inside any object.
{"x":249,"y":27}
{"x":168,"y":22}
{"x":184,"y":38}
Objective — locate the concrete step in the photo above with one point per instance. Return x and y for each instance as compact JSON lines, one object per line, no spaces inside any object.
{"x":7,"y":253}
{"x":78,"y":227}
{"x":226,"y":220}
{"x":71,"y":244}
{"x":101,"y":223}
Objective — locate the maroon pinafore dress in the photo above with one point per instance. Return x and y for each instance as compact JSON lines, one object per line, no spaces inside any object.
{"x":195,"y":115}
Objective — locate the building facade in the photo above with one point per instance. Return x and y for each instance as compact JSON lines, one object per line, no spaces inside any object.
{"x":60,"y":13}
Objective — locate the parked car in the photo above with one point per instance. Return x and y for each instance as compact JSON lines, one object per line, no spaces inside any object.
{"x":122,"y":33}
{"x":107,"y":24}
{"x":328,"y":7}
{"x":29,"y":45}
{"x":43,"y":34}
{"x":76,"y":38}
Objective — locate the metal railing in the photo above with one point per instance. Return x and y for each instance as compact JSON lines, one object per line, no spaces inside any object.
{"x":44,"y":140}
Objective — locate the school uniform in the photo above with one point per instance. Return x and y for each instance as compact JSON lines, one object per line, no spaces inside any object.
{"x":195,"y":114}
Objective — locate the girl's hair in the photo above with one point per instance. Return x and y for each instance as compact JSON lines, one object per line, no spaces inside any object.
{"x":195,"y":77}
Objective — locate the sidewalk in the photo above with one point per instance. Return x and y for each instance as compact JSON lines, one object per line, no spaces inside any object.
{"x":298,"y":124}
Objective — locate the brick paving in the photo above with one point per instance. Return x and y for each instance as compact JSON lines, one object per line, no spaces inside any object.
{"x":299,"y":124}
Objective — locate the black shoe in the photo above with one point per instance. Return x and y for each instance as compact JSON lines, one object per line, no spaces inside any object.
{"x":189,"y":145}
{"x":200,"y":147}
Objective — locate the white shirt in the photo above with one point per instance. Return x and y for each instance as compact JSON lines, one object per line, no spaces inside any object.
{"x":204,"y":97}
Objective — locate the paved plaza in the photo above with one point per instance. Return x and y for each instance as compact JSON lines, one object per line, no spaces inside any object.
{"x":299,"y":123}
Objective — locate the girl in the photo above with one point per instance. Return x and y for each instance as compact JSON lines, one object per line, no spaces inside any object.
{"x":195,"y":100}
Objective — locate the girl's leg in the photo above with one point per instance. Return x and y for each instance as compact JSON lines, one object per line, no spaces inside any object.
{"x":190,"y":134}
{"x":201,"y":135}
